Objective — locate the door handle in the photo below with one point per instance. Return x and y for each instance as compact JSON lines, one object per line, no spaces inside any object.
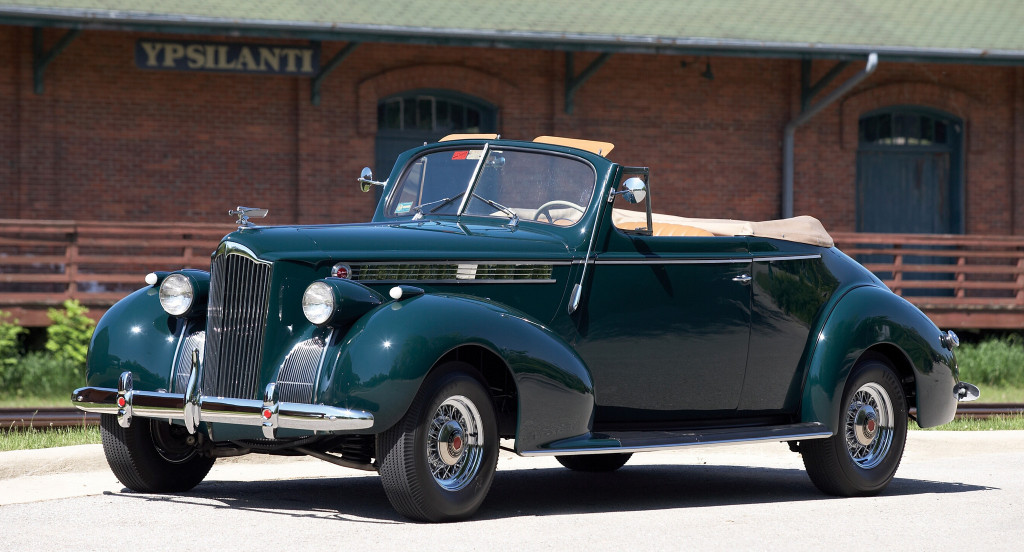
{"x":742,"y":278}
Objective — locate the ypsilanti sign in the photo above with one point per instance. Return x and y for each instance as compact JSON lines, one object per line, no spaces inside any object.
{"x":220,"y":57}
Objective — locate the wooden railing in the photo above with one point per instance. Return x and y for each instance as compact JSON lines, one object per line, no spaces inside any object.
{"x":960,"y":281}
{"x":42,"y":263}
{"x":965,"y":281}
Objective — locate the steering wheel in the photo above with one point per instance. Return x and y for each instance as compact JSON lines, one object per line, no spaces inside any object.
{"x":557,"y":203}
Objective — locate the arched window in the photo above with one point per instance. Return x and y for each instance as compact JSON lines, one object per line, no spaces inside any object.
{"x":907,"y":127}
{"x":430,"y":113}
{"x":409,"y":119}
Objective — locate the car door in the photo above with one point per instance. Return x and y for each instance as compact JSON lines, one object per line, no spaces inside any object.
{"x":790,"y":287}
{"x":665,"y":327}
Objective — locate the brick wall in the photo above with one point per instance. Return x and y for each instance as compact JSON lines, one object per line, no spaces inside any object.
{"x":108,"y":141}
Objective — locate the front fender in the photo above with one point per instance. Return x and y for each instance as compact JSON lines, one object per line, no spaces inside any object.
{"x":136,"y":335}
{"x":872,"y":317}
{"x":379,"y":365}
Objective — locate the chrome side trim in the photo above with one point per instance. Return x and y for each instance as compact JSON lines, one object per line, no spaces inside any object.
{"x":787,"y":258}
{"x":640,"y":441}
{"x":728,"y":260}
{"x":662,"y":261}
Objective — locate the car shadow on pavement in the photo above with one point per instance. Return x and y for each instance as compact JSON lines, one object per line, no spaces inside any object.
{"x":652,"y":487}
{"x":539,"y":492}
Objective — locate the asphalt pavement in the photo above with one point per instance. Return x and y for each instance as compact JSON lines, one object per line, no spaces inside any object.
{"x":953,"y":491}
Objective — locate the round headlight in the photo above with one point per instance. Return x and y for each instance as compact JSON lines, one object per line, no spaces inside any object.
{"x":176,"y":294}
{"x":318,"y":303}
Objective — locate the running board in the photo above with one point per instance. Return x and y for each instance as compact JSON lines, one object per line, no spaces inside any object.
{"x":647,"y":441}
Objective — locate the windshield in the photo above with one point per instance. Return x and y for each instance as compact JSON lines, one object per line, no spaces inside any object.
{"x":536,"y":186}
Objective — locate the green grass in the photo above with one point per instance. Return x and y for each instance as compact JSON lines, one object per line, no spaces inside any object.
{"x":58,"y":437}
{"x":992,"y":394}
{"x":995,"y":423}
{"x":63,"y":401}
{"x":996,"y":362}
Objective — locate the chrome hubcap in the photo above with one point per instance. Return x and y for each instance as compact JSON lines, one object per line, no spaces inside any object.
{"x":455,"y":443}
{"x":865,"y":425}
{"x":869,"y":426}
{"x":450,"y":443}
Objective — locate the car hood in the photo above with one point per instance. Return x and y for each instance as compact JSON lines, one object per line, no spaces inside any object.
{"x":409,"y":241}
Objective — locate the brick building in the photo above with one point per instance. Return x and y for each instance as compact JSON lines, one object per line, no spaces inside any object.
{"x":136,"y":110}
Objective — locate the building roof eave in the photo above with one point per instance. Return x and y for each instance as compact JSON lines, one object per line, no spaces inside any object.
{"x":95,"y":19}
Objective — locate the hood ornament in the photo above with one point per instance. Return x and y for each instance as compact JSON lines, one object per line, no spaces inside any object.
{"x":244,"y":213}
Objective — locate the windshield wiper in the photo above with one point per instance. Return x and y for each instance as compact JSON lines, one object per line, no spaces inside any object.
{"x":513,"y":217}
{"x":447,"y":200}
{"x":443,"y":202}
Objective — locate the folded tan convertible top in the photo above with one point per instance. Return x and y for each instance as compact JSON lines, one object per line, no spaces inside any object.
{"x":802,"y":229}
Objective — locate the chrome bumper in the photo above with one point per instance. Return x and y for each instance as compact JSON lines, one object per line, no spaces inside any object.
{"x":193,"y":408}
{"x":966,"y":392}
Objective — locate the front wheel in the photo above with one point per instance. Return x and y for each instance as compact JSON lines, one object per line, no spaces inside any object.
{"x":152,"y":456}
{"x":438,"y":462}
{"x":861,"y":459}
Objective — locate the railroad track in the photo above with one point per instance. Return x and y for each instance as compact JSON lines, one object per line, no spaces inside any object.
{"x":14,"y":418}
{"x":41,"y":418}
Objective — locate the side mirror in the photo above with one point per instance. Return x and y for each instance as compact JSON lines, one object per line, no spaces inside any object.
{"x":366,"y":180}
{"x":634,"y":190}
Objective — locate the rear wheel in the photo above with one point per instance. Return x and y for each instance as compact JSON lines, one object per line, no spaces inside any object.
{"x":438,"y":462}
{"x":861,"y":459}
{"x":152,"y":456}
{"x":594,"y":462}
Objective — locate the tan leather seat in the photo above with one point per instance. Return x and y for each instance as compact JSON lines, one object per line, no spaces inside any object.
{"x":667,"y":229}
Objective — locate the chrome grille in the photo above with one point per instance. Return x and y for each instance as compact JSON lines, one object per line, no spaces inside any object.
{"x":239,"y":296}
{"x":183,"y":363}
{"x":297,"y":377}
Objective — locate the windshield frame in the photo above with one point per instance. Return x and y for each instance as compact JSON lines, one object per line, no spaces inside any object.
{"x":487,"y":148}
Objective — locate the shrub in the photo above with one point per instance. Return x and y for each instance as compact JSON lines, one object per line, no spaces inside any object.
{"x":41,"y":374}
{"x":995,"y":361}
{"x":10,"y":347}
{"x":69,"y":333}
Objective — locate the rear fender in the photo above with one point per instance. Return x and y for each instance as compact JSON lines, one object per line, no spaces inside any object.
{"x":381,"y":362}
{"x":874,"y":318}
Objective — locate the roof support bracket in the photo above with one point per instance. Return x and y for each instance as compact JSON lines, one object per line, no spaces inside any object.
{"x":809,"y":91}
{"x":314,"y":91}
{"x":573,"y":82}
{"x":809,"y":111}
{"x":41,"y":58}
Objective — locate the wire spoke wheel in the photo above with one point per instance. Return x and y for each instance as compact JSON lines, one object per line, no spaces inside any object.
{"x":862,"y":457}
{"x":455,"y":443}
{"x":437,"y":463}
{"x":869,"y":426}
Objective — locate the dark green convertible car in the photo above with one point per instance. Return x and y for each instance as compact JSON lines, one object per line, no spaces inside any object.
{"x":522,"y":291}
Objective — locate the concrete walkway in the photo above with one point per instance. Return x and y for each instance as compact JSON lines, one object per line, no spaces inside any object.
{"x":47,"y":474}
